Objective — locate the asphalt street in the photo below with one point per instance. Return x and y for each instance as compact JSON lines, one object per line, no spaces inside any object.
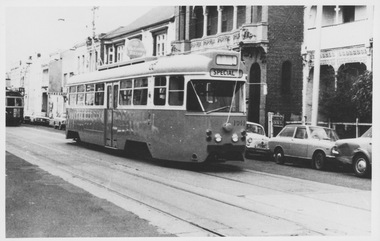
{"x":39,"y":204}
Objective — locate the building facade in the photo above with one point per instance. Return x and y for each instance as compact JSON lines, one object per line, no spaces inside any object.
{"x":269,"y":39}
{"x":345,"y":42}
{"x":149,"y":35}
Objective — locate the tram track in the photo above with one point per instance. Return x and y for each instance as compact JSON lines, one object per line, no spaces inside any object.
{"x":139,"y":172}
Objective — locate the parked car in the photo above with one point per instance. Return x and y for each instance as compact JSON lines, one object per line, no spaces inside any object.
{"x":356,"y":152}
{"x":256,"y":140}
{"x":60,"y":122}
{"x":305,"y":142}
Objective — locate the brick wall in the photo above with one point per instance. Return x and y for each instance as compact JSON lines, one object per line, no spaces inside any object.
{"x":285,"y":35}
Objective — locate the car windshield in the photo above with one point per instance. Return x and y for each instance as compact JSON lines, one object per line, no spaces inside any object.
{"x":368,"y":133}
{"x":321,"y":133}
{"x":255,"y":129}
{"x":215,"y":96}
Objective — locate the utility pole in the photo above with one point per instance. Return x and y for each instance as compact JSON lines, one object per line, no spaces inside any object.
{"x":93,"y":51}
{"x":317,"y":67}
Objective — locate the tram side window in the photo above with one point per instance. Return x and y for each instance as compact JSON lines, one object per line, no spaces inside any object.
{"x":125,"y":96}
{"x":80,"y":99}
{"x":140,"y":91}
{"x":159,"y":90}
{"x":99,"y":94}
{"x":90,"y":94}
{"x":72,"y":95}
{"x":176,"y":90}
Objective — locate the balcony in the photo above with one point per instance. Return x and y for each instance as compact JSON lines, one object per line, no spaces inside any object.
{"x":340,"y":35}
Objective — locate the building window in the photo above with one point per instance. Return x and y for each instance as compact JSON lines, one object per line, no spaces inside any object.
{"x":119,"y":53}
{"x":257,"y":14}
{"x":197,"y":20}
{"x":227,"y":18}
{"x":241,"y":13}
{"x":286,"y":77}
{"x":212,"y":20}
{"x":348,"y":13}
{"x":160,"y":43}
{"x":110,"y":54}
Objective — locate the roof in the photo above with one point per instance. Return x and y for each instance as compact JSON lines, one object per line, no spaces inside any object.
{"x":152,"y":17}
{"x":197,"y":63}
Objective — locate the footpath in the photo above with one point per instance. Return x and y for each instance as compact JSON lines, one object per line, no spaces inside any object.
{"x":39,"y":204}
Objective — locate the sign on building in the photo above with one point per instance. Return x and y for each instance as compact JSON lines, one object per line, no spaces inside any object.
{"x":135,"y":49}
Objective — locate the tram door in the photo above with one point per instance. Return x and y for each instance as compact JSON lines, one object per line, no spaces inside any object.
{"x":112,"y":101}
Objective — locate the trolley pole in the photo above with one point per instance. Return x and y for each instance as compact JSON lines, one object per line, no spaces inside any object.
{"x":93,"y":59}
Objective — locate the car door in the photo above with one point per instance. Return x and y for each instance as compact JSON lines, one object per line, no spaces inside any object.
{"x":299,"y":143}
{"x":284,"y":139}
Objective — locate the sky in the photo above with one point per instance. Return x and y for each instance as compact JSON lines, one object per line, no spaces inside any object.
{"x":47,"y":29}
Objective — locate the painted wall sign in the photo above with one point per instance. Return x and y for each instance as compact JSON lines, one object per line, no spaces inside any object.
{"x":135,"y":48}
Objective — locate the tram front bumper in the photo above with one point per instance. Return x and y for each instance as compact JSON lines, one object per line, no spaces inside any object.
{"x":226,"y":152}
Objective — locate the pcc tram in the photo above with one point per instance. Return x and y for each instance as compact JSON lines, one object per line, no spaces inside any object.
{"x":188,"y":108}
{"x":14,"y":107}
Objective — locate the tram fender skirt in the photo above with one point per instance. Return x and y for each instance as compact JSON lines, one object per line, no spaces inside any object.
{"x":137,"y":149}
{"x":72,"y":135}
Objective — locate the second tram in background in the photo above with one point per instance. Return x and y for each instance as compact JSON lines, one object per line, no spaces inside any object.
{"x":14,"y":106}
{"x":188,"y":108}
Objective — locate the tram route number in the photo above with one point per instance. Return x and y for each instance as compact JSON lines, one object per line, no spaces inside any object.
{"x":225,"y":73}
{"x":239,"y":122}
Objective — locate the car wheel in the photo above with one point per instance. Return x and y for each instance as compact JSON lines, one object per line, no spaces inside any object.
{"x":361,"y":165}
{"x":319,"y":160}
{"x":279,"y":156}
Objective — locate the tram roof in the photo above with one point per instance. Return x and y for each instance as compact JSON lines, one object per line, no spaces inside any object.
{"x":190,"y":63}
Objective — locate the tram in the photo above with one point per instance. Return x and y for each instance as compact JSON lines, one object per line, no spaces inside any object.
{"x":186,"y":108}
{"x":14,"y":107}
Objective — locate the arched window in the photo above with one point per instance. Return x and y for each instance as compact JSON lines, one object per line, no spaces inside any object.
{"x":286,"y":77}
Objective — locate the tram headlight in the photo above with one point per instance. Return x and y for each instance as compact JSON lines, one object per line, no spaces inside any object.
{"x":249,"y":140}
{"x":235,"y":138}
{"x":217,"y":138}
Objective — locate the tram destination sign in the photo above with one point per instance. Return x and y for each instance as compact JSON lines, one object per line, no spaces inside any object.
{"x":227,"y":73}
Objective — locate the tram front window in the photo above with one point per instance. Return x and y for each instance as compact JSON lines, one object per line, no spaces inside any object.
{"x":215,"y":96}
